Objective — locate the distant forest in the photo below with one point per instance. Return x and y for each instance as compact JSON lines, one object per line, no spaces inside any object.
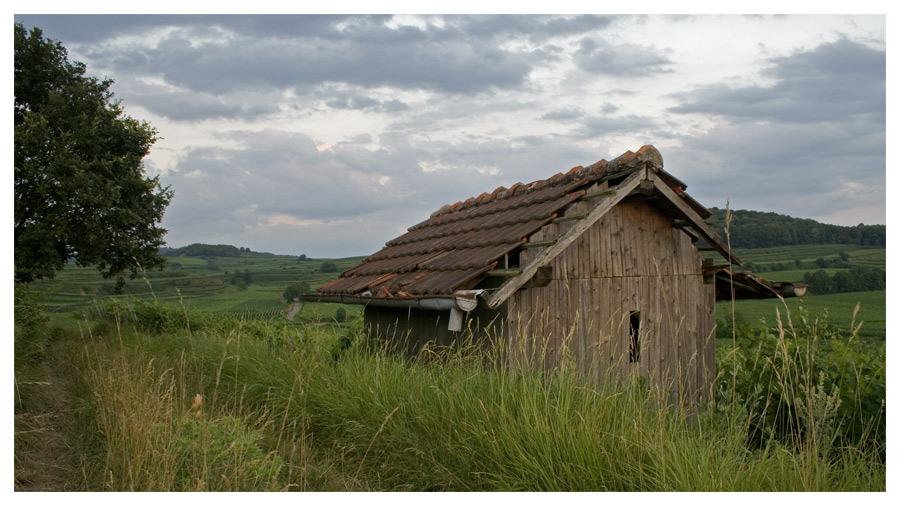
{"x":754,"y":229}
{"x":203,"y":250}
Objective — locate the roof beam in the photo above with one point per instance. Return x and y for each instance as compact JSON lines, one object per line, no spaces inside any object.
{"x":563,"y":219}
{"x":546,"y":256}
{"x":538,"y":244}
{"x":700,"y":226}
{"x":504,"y":273}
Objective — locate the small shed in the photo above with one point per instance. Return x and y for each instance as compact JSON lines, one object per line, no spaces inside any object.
{"x":602,"y":266}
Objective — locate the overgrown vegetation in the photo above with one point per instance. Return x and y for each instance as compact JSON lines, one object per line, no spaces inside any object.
{"x":174,"y":399}
{"x":806,"y":382}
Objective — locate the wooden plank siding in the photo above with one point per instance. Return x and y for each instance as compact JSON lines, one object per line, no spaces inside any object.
{"x":632,"y":259}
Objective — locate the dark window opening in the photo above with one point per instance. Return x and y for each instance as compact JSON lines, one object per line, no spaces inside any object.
{"x":512,"y":259}
{"x":634,"y":333}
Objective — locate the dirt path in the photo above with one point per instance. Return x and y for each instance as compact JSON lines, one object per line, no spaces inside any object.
{"x":294,"y":310}
{"x":42,"y":451}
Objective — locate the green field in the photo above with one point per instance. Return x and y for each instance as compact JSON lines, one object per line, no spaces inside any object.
{"x":837,"y":309}
{"x":810,"y":252}
{"x":202,"y":284}
{"x":779,"y":263}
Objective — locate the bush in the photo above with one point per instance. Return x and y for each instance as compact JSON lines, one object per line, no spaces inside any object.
{"x":725,"y":326}
{"x":295,"y":290}
{"x":806,"y":383}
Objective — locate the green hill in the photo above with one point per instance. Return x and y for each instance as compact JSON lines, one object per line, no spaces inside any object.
{"x":755,"y":229}
{"x":214,"y":278}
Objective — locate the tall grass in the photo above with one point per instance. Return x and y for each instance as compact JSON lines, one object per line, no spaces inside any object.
{"x":153,"y":441}
{"x":305,"y":411}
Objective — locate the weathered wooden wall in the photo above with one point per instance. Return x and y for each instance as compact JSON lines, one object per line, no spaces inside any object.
{"x":631,"y":260}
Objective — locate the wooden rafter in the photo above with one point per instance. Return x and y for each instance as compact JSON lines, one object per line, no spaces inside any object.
{"x":546,"y":256}
{"x":696,"y":222}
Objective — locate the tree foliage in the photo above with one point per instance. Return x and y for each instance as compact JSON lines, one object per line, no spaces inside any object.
{"x":204,"y":250}
{"x":295,"y":290}
{"x":754,"y":229}
{"x":80,"y":188}
{"x":855,"y":279}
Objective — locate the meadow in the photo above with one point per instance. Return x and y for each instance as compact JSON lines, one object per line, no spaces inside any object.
{"x":149,"y":397}
{"x":187,"y":382}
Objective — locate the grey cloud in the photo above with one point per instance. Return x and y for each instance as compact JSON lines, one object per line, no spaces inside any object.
{"x":609,"y":108}
{"x":272,"y":173}
{"x":193,"y":106}
{"x":360,"y":51}
{"x":563,"y":114}
{"x":536,"y":28}
{"x":812,"y":144}
{"x":358,"y":102}
{"x":834,"y":82}
{"x":600,"y":126}
{"x":629,"y":60}
{"x":277,"y":172}
{"x":91,"y":28}
{"x":181,"y":105}
{"x":345,"y":100}
{"x":809,"y":171}
{"x":394,"y":105}
{"x":360,"y":139}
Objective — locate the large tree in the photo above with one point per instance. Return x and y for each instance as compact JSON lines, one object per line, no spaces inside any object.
{"x":80,"y":187}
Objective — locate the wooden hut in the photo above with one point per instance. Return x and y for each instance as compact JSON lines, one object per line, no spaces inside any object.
{"x":600,"y":266}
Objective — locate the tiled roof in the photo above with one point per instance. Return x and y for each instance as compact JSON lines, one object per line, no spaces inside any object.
{"x":459,"y":243}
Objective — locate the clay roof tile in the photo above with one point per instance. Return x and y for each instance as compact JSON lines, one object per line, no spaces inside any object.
{"x":461,"y":241}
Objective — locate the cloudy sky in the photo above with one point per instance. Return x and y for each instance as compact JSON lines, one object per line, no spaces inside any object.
{"x":330,"y":135}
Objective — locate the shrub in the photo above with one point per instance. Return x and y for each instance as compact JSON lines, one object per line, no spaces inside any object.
{"x":725,"y":325}
{"x":806,"y":383}
{"x":295,"y":290}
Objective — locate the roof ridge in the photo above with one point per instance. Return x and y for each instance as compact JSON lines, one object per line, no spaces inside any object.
{"x":646,"y":153}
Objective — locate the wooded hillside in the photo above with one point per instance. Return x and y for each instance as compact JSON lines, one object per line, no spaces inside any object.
{"x":754,"y":229}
